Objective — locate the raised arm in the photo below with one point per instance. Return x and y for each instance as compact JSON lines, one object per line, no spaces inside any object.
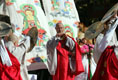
{"x":108,"y":36}
{"x":19,"y":51}
{"x":103,"y":41}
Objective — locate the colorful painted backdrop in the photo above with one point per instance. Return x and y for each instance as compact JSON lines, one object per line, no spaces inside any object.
{"x":62,"y":11}
{"x":25,"y":14}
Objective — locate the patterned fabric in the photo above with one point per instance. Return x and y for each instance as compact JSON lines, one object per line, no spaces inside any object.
{"x":25,"y":14}
{"x":64,"y":11}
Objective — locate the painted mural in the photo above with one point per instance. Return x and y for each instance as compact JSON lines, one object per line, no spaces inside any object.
{"x":24,"y":15}
{"x":10,"y":2}
{"x":30,"y":20}
{"x":62,"y":11}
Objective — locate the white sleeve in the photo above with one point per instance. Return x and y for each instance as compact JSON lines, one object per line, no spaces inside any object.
{"x":53,"y":42}
{"x":27,"y":43}
{"x":96,"y":52}
{"x":10,"y":46}
{"x":107,"y":38}
{"x":70,"y":43}
{"x":22,"y":48}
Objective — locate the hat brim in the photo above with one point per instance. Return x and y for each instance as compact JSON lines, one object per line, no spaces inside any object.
{"x":97,"y":27}
{"x":5,"y":18}
{"x":94,"y":29}
{"x":33,"y":33}
{"x":5,"y":29}
{"x":109,"y":13}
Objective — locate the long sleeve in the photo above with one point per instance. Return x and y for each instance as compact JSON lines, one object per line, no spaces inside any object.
{"x":70,"y":44}
{"x":52,"y":43}
{"x":19,"y":51}
{"x":103,"y":41}
{"x":52,"y":55}
{"x":96,"y":52}
{"x":108,"y":37}
{"x":52,"y":52}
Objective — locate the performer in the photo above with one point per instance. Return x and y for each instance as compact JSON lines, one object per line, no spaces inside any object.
{"x":16,"y":70}
{"x":86,"y":51}
{"x":106,"y":51}
{"x":19,"y":51}
{"x":9,"y":65}
{"x":64,"y":57}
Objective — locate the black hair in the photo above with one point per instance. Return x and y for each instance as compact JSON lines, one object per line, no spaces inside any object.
{"x":5,"y":18}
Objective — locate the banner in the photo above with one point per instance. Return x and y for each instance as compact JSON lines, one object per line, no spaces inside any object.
{"x":25,"y":14}
{"x":62,"y":11}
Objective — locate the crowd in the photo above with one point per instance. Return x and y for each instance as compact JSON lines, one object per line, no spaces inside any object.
{"x":95,"y":58}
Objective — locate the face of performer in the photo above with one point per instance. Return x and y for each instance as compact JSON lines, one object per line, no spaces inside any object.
{"x":6,"y":37}
{"x":60,"y":28}
{"x":110,"y":21}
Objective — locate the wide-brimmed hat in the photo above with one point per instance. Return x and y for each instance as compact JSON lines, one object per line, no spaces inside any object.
{"x":5,"y":29}
{"x":109,"y":13}
{"x":5,"y":18}
{"x":97,"y":27}
{"x":33,"y":33}
{"x":94,"y":29}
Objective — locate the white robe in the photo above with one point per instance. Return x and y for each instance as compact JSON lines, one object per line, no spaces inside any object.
{"x":20,"y":52}
{"x":52,"y":53}
{"x":103,"y":41}
{"x":83,"y":75}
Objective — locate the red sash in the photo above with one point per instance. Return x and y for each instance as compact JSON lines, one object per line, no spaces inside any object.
{"x":107,"y":68}
{"x":12,"y":72}
{"x":63,"y":71}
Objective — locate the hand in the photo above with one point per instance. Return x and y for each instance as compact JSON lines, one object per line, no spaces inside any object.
{"x":115,"y":14}
{"x":71,"y":54}
{"x":61,"y":35}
